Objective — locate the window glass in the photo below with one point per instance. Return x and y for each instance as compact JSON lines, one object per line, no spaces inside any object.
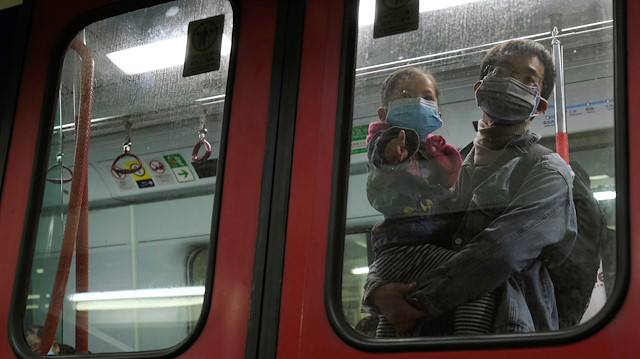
{"x":402,"y":200}
{"x":155,"y":121}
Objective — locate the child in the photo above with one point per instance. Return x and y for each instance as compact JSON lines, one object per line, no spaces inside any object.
{"x":411,"y":173}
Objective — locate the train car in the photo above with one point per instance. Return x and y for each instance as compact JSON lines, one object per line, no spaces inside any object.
{"x":188,"y":178}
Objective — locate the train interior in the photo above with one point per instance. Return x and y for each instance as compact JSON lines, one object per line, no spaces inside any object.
{"x":150,"y":230}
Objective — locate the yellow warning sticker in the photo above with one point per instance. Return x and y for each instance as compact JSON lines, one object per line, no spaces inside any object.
{"x":142,"y":176}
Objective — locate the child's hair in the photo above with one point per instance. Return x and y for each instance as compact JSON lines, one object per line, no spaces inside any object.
{"x":390,"y":83}
{"x":31,"y":329}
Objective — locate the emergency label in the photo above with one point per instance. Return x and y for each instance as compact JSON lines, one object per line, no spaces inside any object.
{"x":359,"y":139}
{"x":179,"y":167}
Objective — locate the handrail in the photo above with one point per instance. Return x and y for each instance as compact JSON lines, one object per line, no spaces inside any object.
{"x":77,"y":224}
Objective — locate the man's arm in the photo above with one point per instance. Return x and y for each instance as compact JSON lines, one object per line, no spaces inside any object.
{"x":540,"y":214}
{"x":390,"y":299}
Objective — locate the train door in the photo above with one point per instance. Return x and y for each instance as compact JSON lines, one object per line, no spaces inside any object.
{"x":277,"y":268}
{"x":134,"y":179}
{"x":328,"y":240}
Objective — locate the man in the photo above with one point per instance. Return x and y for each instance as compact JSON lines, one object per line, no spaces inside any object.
{"x":506,"y":226}
{"x":33,"y":336}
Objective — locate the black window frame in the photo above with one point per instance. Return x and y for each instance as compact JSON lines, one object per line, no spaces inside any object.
{"x":338,"y":210}
{"x":36,"y":192}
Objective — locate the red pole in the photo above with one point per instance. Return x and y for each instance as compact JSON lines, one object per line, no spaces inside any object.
{"x":562,"y":145}
{"x":77,"y":216}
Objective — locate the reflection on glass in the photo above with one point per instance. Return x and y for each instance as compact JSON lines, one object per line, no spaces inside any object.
{"x":148,"y":209}
{"x":450,"y":42}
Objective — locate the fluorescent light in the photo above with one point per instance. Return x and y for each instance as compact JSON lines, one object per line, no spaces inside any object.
{"x":139,"y":298}
{"x":157,"y":55}
{"x":150,"y":57}
{"x":604,"y":195}
{"x":598,"y":177}
{"x":366,"y":13}
{"x":212,"y":99}
{"x":360,"y":270}
{"x":138,"y":303}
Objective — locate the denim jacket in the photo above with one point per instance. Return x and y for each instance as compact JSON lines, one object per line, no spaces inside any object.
{"x":414,"y":194}
{"x":500,"y":240}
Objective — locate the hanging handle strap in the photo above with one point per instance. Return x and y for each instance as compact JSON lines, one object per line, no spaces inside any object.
{"x":196,"y":149}
{"x":126,"y":152}
{"x":62,"y":179}
{"x":202,"y":132}
{"x":134,"y":167}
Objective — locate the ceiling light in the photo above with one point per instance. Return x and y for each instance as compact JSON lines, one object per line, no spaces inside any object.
{"x":157,"y":55}
{"x":604,"y":195}
{"x":139,"y":298}
{"x":172,"y":11}
{"x":150,"y":57}
{"x":360,"y":270}
{"x":366,"y":13}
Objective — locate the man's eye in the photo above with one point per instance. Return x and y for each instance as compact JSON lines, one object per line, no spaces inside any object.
{"x":529,"y":80}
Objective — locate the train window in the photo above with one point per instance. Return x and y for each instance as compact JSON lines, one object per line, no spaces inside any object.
{"x":444,"y":245}
{"x":133,"y":147}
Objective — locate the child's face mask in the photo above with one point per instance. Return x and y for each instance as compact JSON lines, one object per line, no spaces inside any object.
{"x":417,"y":114}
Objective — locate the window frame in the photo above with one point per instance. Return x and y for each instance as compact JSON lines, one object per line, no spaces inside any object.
{"x":38,"y":178}
{"x":338,"y":211}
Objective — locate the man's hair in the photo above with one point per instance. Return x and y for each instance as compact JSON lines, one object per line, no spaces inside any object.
{"x":390,"y":83}
{"x":522,"y":47}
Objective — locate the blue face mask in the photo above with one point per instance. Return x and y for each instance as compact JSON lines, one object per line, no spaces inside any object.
{"x":51,"y":352}
{"x":417,"y":114}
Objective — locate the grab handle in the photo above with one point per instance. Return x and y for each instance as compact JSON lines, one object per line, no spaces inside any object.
{"x":196,"y":149}
{"x":60,"y":180}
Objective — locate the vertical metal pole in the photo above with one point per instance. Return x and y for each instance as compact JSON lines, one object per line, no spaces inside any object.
{"x":562,"y":137}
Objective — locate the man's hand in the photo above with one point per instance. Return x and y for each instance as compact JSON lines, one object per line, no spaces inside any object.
{"x":396,"y":149}
{"x":390,"y":299}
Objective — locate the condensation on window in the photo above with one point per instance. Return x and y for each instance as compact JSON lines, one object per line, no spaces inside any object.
{"x":151,"y":163}
{"x":451,"y":39}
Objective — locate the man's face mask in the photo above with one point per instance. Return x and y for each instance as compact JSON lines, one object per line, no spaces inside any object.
{"x":417,"y":114}
{"x":506,"y":100}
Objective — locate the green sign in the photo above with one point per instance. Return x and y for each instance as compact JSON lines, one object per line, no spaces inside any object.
{"x":175,"y":160}
{"x":359,"y":139}
{"x":179,"y":167}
